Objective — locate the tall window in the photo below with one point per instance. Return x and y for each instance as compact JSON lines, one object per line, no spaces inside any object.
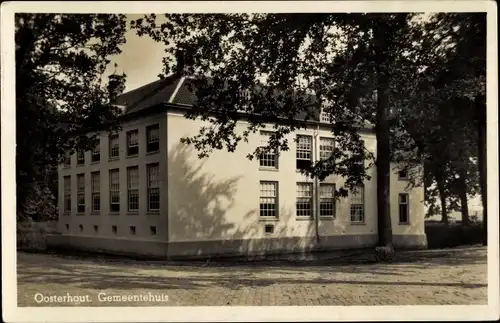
{"x":326,"y":146}
{"x":304,"y":151}
{"x":132,"y":142}
{"x":270,"y":158}
{"x":153,"y":138}
{"x":133,"y":188}
{"x":404,"y":217}
{"x":96,"y":152}
{"x":268,"y":199}
{"x":95,"y":178}
{"x":357,"y":200}
{"x":80,"y":157}
{"x":114,"y":146}
{"x":153,"y":171}
{"x":327,"y":200}
{"x":80,"y":191}
{"x":402,"y":175}
{"x":114,"y":190}
{"x":67,"y":194}
{"x":304,"y":200}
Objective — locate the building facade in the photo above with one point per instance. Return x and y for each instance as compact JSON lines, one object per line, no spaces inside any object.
{"x":143,"y":192}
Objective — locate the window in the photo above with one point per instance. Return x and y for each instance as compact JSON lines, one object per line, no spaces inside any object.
{"x":133,"y":188}
{"x":114,"y":190}
{"x":268,"y":159}
{"x":80,"y":191}
{"x":403,"y":209}
{"x":153,"y":171}
{"x":114,"y":146}
{"x":80,"y":157}
{"x":358,"y":205}
{"x":96,"y":191}
{"x":359,"y":162}
{"x":67,"y":160}
{"x":67,"y":194}
{"x":402,"y":175}
{"x":152,"y":229}
{"x":269,"y":228}
{"x":81,"y":227}
{"x":114,"y":229}
{"x":327,"y":200}
{"x":324,"y":116}
{"x":304,"y":152}
{"x":268,"y":199}
{"x":153,"y":138}
{"x":304,"y":200}
{"x":326,"y":146}
{"x":96,"y":228}
{"x":96,"y":152}
{"x":132,"y":230}
{"x":132,"y":142}
{"x":67,"y":227}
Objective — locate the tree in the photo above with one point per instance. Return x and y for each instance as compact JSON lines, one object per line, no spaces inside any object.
{"x":61,"y":61}
{"x":442,"y":120}
{"x":275,"y":67}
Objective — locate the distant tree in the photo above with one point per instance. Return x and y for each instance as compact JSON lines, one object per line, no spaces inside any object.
{"x":446,"y":119}
{"x":61,"y":61}
{"x":274,"y":67}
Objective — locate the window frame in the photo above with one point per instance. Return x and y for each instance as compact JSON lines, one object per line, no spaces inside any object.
{"x":135,"y":145}
{"x":273,"y":213}
{"x":407,"y":204}
{"x":151,"y":189}
{"x":95,"y":194}
{"x":80,"y":194}
{"x":357,"y":206}
{"x":323,"y":152}
{"x":133,"y":190}
{"x":270,"y":157}
{"x":303,"y":151}
{"x":112,"y":148}
{"x":304,"y":197}
{"x":80,"y":161}
{"x":96,"y":152}
{"x":114,"y":190}
{"x":328,"y":200}
{"x":67,"y":194}
{"x":152,"y":141}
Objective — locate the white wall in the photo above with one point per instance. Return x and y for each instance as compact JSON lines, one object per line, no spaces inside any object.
{"x":105,"y":219}
{"x":217,"y":198}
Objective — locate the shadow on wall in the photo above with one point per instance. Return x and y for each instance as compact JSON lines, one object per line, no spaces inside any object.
{"x":198,"y":202}
{"x":207,"y":214}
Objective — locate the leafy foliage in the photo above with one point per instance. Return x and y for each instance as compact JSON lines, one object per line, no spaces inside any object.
{"x":61,"y":61}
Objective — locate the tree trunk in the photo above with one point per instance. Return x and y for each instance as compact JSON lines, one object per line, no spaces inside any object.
{"x":382,"y":134}
{"x":481,"y":124}
{"x":442,"y":197}
{"x":462,"y":192}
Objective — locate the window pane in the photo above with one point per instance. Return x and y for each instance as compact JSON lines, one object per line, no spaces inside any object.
{"x":268,"y":191}
{"x":326,"y":146}
{"x":96,"y":182}
{"x":153,"y":175}
{"x":133,"y":177}
{"x":153,"y":133}
{"x":132,"y":138}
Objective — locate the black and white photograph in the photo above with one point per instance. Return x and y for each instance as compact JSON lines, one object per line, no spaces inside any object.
{"x":249,"y":161}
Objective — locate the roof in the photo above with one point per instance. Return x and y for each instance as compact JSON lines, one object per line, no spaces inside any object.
{"x":175,"y":90}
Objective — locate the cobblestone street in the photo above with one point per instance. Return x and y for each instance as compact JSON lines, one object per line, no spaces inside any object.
{"x":455,"y":276}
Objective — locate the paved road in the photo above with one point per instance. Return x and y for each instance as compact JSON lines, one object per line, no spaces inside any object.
{"x":456,"y":276}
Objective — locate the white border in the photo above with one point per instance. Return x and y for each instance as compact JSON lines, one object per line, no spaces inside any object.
{"x":12,"y":313}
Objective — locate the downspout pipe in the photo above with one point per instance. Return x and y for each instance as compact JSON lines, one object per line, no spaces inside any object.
{"x":316,"y":184}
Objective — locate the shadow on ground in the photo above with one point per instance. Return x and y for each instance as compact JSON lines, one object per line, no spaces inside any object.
{"x":123,"y":274}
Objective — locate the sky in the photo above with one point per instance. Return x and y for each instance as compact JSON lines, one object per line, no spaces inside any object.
{"x":140,"y":59}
